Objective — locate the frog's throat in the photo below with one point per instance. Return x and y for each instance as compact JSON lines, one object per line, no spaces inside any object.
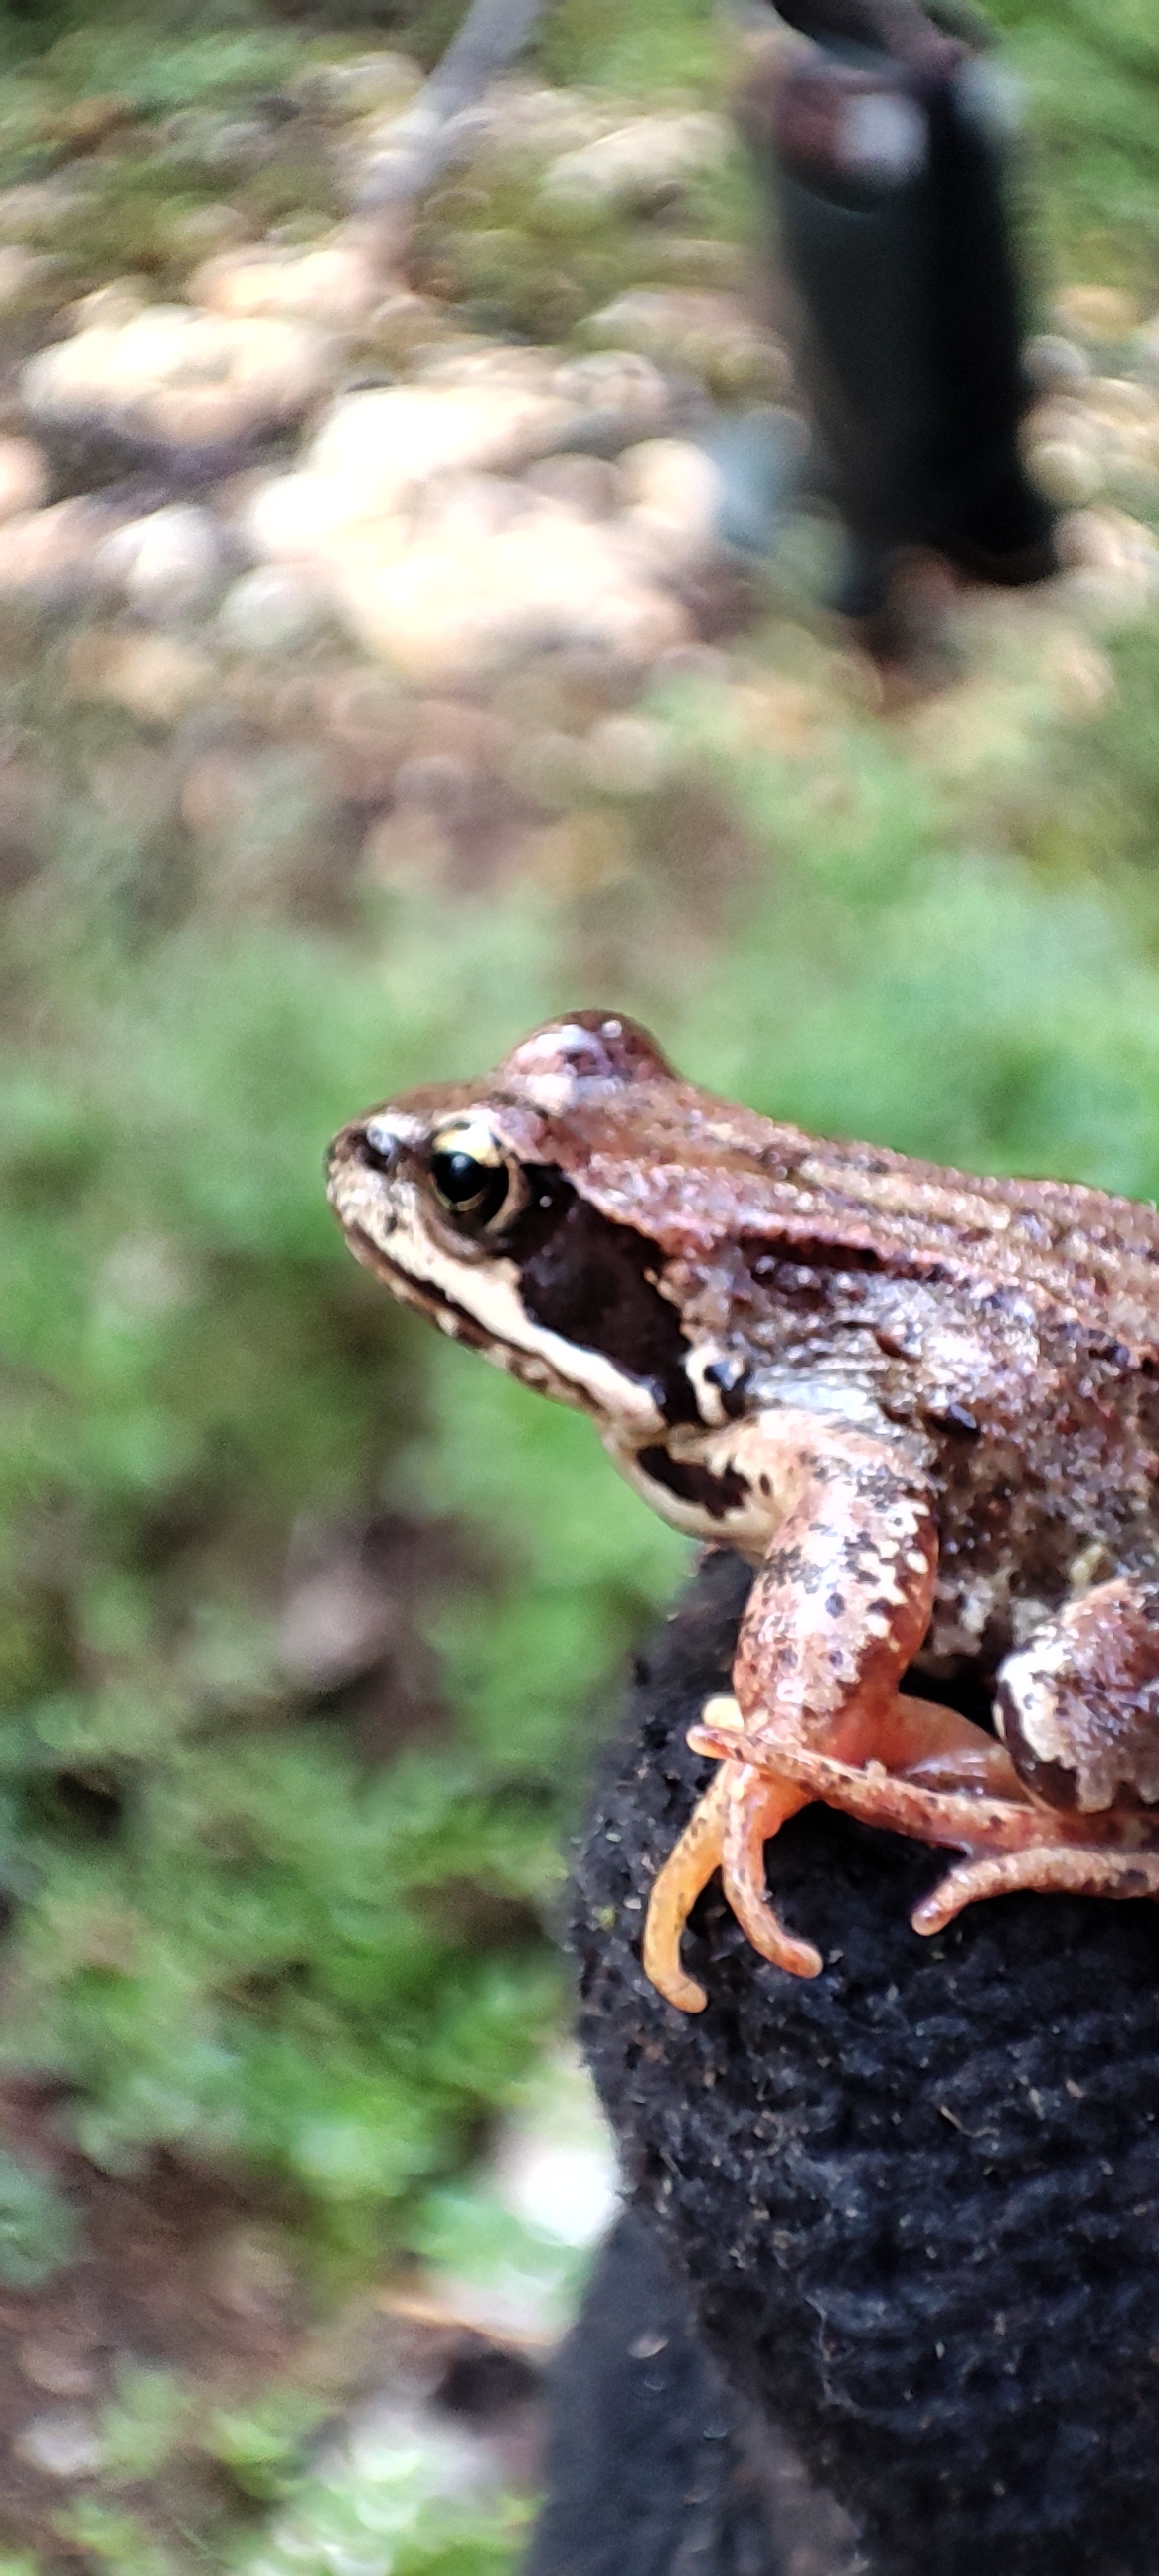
{"x":480,"y":1304}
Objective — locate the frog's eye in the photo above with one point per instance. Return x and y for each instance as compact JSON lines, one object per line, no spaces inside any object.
{"x":472,"y":1176}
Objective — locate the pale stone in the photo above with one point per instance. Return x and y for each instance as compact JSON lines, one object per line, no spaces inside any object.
{"x":526,"y":119}
{"x":198,"y":232}
{"x":155,"y":678}
{"x":334,"y":285}
{"x":88,"y":122}
{"x":402,"y":324}
{"x":295,"y":518}
{"x":378,"y":449}
{"x":168,"y":564}
{"x":448,"y":358}
{"x":453,"y":606}
{"x":408,"y":853}
{"x":389,"y":2440}
{"x":711,"y":335}
{"x":1112,"y":564}
{"x":1055,"y":364}
{"x":630,"y":755}
{"x":366,"y":85}
{"x":64,"y":2444}
{"x":177,"y":378}
{"x":1098,"y":313}
{"x":689,"y":259}
{"x":214,"y":791}
{"x":580,"y":855}
{"x":1069,"y":472}
{"x":373,"y":729}
{"x":55,"y":2367}
{"x":25,"y":276}
{"x":119,"y":300}
{"x":48,"y":558}
{"x":23,"y":476}
{"x":554,"y":2165}
{"x":437,"y":783}
{"x":616,"y":393}
{"x":39,"y":209}
{"x":1120,"y":401}
{"x":249,"y":2274}
{"x":587,"y":485}
{"x":639,"y":164}
{"x":1080,"y":671}
{"x":271,"y":611}
{"x":548,"y":768}
{"x":671,"y":493}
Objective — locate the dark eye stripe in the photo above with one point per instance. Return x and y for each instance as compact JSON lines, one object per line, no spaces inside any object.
{"x":594,"y":1283}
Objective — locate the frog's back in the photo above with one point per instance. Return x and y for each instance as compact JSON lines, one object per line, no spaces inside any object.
{"x":1083,"y":1252}
{"x":694,"y":1173}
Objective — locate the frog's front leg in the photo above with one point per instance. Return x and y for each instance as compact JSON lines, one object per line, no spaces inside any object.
{"x":839,"y":1607}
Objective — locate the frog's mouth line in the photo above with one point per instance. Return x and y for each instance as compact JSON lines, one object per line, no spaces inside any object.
{"x":457,"y":1320}
{"x":577,"y":1374}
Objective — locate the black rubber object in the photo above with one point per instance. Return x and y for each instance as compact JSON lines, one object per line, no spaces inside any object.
{"x":653,"y":2466}
{"x":908,"y":328}
{"x":915,"y":2201}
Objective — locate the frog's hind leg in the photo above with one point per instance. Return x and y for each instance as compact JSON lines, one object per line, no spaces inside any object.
{"x":727,"y":1830}
{"x":1077,"y":1707}
{"x":1078,"y":1712}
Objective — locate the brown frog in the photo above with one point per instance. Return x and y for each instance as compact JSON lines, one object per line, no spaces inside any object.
{"x":924,"y":1406}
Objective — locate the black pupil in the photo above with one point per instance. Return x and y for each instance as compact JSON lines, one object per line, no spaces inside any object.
{"x":471,"y":1188}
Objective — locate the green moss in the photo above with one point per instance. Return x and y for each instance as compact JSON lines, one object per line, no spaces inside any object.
{"x":1092,"y":82}
{"x":675,"y":46}
{"x":38,"y":2227}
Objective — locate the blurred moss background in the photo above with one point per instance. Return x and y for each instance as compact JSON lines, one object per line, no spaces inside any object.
{"x":288,"y":1920}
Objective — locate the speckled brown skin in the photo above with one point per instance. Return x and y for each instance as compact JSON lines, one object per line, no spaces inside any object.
{"x":925,"y":1405}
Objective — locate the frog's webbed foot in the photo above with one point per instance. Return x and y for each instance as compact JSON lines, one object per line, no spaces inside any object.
{"x":1010,"y":1840}
{"x":727,"y":1830}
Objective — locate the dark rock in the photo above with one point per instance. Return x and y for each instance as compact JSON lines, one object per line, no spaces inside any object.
{"x":654,"y":2466}
{"x":916,"y":2200}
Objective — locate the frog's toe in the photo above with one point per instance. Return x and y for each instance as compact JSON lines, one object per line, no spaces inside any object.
{"x":1044,"y":1869}
{"x":727,"y":1830}
{"x":686,"y":1872}
{"x":756,"y":1807}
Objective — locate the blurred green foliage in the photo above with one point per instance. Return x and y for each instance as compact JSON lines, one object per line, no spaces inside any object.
{"x":1091,"y":69}
{"x":252,"y":1922}
{"x":229,"y":1936}
{"x":38,"y":2226}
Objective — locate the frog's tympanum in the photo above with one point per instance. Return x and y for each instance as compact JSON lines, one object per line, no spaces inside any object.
{"x":925,"y":1407}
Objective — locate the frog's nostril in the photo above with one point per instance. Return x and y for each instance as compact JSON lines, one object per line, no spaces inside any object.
{"x":376,"y":1149}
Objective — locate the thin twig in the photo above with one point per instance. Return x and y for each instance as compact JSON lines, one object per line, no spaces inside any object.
{"x":422,"y":140}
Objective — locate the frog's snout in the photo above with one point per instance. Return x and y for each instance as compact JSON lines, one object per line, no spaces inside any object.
{"x":367,"y":1146}
{"x":375,"y":1146}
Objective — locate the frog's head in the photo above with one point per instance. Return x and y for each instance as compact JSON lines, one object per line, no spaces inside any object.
{"x":505,"y":1210}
